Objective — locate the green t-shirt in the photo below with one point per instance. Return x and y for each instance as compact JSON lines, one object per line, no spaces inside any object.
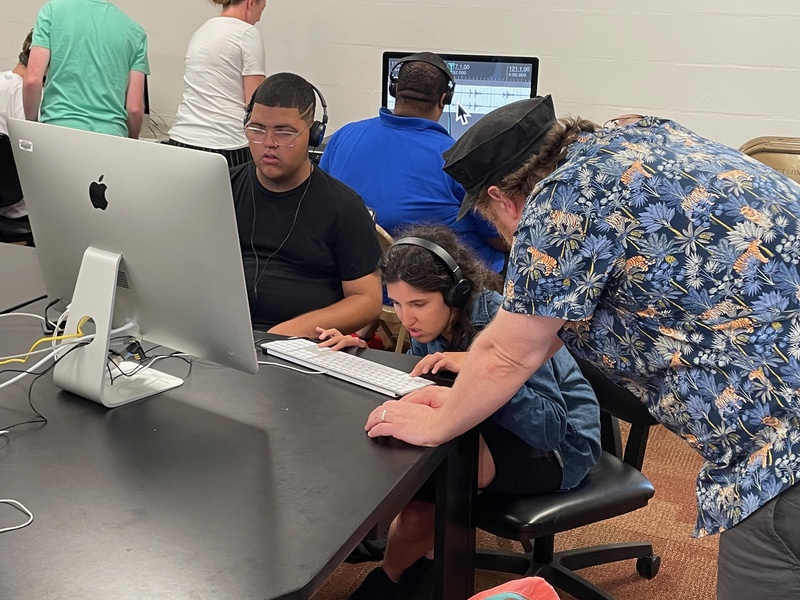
{"x":93,"y":48}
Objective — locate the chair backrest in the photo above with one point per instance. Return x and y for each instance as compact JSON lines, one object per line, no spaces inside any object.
{"x":10,"y":188}
{"x":780,"y":153}
{"x":617,"y":403}
{"x":384,"y":238}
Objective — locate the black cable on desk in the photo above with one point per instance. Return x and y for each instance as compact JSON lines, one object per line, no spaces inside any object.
{"x":23,"y":305}
{"x":41,"y":418}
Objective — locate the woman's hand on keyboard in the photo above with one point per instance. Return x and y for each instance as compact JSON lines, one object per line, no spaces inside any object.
{"x":433,"y":363}
{"x":336,"y":340}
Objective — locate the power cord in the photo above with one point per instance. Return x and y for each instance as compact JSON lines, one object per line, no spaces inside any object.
{"x":20,"y":507}
{"x":40,"y":418}
{"x":267,"y":363}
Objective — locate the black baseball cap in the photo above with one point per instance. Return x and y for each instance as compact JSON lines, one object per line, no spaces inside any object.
{"x":497,"y":145}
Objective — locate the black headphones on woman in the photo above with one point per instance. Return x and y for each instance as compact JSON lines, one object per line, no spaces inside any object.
{"x":316,"y":132}
{"x":457,"y":295}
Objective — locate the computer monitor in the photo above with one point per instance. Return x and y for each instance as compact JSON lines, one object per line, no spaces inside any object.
{"x":483,"y":83}
{"x":130,"y":231}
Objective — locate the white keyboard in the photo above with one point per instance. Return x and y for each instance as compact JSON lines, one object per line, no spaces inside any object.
{"x":360,"y":371}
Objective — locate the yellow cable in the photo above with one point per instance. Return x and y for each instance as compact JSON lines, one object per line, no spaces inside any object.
{"x":56,"y":338}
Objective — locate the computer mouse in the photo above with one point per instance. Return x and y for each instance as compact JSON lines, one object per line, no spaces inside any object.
{"x":441,"y":377}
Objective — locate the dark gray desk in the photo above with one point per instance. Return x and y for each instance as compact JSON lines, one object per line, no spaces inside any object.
{"x":20,"y":280}
{"x":231,"y":486}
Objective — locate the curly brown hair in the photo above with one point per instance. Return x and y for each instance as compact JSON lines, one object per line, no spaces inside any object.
{"x":424,"y":271}
{"x":539,"y":165}
{"x":26,"y":49}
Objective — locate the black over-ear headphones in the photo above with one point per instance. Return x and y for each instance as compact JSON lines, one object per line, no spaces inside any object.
{"x":457,"y":295}
{"x":431,"y":59}
{"x":316,"y":132}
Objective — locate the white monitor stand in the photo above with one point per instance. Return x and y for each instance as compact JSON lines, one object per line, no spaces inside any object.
{"x":84,"y":370}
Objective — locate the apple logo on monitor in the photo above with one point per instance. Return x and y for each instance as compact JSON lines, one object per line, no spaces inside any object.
{"x":97,"y":194}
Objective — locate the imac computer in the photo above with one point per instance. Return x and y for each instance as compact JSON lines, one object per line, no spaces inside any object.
{"x":133,"y":232}
{"x":483,"y":83}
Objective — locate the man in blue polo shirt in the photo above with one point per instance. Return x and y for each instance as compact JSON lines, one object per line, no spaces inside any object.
{"x":394,"y":161}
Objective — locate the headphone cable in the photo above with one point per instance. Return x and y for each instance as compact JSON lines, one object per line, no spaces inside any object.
{"x":258,"y":274}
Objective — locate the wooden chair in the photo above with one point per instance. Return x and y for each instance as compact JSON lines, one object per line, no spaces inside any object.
{"x":388,"y":321}
{"x":780,"y":153}
{"x":613,"y":487}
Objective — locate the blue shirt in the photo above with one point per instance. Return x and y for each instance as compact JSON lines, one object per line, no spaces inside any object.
{"x":395,"y":164}
{"x":674,"y":260}
{"x":555,"y":410}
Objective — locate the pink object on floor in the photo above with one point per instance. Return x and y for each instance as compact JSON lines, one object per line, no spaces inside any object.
{"x":529,"y":588}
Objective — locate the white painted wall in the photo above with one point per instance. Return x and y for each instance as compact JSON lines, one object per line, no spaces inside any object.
{"x":728,"y":69}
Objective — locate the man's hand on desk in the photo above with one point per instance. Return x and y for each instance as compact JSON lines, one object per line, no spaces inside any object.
{"x":412,"y":419}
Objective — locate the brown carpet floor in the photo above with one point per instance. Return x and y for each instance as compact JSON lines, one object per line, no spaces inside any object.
{"x":688,"y":565}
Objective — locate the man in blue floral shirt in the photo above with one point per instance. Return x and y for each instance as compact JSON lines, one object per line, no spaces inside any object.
{"x":671,"y":262}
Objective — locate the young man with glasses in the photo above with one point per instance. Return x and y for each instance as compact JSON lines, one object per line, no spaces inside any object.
{"x":309,"y":245}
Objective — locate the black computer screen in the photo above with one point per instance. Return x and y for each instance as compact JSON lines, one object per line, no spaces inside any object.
{"x":483,"y":83}
{"x":146,"y":97}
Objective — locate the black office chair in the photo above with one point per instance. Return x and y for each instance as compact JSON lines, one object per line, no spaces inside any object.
{"x":14,"y":231}
{"x":613,"y":487}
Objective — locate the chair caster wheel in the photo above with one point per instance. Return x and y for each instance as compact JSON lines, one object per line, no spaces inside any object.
{"x":647,"y":566}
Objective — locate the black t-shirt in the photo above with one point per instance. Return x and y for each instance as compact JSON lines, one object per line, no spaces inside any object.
{"x":298,"y":246}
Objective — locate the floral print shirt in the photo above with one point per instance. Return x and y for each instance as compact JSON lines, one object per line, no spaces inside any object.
{"x":675,"y":261}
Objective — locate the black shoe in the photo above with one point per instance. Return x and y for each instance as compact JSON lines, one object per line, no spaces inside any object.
{"x":416,"y":583}
{"x":376,"y":586}
{"x":368,"y":550}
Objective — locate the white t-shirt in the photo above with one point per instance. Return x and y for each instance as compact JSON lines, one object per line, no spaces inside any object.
{"x":10,"y":99}
{"x":220,"y":53}
{"x":11,"y":107}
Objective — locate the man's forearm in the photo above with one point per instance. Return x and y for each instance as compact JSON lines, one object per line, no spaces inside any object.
{"x":485,"y":383}
{"x":134,"y":122}
{"x":500,"y":361}
{"x":31,"y":98}
{"x":348,"y":315}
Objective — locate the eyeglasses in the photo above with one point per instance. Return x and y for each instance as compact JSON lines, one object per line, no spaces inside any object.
{"x":282,"y":138}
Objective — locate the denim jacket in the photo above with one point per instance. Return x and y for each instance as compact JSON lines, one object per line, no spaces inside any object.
{"x":555,"y":410}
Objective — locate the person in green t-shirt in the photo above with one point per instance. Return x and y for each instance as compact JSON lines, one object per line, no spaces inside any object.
{"x":95,"y":59}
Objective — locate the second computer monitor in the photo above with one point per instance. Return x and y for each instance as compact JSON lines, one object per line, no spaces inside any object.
{"x":483,"y":83}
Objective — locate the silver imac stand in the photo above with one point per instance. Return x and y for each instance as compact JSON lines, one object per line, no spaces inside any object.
{"x":84,"y":371}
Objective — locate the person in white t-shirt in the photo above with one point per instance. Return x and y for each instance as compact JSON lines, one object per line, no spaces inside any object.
{"x":225,"y":63}
{"x":11,"y":107}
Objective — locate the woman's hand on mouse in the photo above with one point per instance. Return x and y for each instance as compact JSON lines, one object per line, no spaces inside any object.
{"x":433,"y":363}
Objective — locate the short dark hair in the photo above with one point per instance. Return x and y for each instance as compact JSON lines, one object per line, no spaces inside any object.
{"x":287,"y":90}
{"x":422,"y":270}
{"x":421,"y":82}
